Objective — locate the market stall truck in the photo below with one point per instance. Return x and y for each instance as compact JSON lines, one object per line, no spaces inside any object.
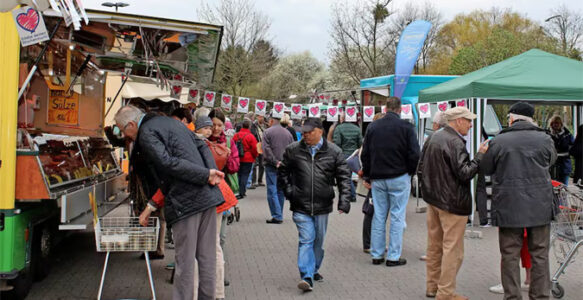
{"x":54,"y":156}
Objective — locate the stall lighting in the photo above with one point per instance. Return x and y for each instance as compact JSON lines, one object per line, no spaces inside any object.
{"x":72,"y":47}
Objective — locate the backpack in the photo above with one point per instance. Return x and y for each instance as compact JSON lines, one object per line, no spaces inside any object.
{"x":239,"y":144}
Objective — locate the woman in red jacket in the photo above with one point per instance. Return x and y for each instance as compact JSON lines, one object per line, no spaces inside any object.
{"x":249,"y":143}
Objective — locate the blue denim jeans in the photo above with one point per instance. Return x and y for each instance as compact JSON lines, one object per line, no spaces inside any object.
{"x":250,"y":179}
{"x":389,"y":196}
{"x":312,"y":230}
{"x":352,"y":189}
{"x":275,"y":197}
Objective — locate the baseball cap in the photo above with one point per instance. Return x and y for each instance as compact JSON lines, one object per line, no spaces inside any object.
{"x":202,"y":122}
{"x":312,"y":123}
{"x":523,"y":109}
{"x":458,"y":112}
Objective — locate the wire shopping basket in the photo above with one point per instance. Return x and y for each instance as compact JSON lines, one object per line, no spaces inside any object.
{"x":125,"y":234}
{"x":566,"y":230}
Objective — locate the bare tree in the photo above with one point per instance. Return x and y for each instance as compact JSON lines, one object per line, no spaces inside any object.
{"x":360,"y":39}
{"x":246,"y":51}
{"x":566,"y":26}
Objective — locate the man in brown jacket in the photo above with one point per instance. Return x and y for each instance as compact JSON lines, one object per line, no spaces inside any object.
{"x":445,"y":171}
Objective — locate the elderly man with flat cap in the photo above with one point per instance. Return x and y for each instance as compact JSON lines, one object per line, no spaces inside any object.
{"x":522,"y":197}
{"x":445,"y":171}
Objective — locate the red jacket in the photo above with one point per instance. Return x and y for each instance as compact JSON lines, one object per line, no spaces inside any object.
{"x":249,"y":145}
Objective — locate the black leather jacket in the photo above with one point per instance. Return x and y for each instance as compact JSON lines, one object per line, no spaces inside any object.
{"x":445,"y":172}
{"x":308,"y":182}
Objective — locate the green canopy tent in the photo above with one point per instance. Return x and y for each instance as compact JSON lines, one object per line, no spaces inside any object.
{"x":534,"y":76}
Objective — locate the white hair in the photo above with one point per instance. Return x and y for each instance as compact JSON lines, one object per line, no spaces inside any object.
{"x":128,"y":113}
{"x":439,"y":118}
{"x":516,"y":117}
{"x":285,"y":120}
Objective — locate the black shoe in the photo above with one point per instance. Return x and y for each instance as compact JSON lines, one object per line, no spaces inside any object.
{"x":318,"y":277}
{"x":273,"y":221}
{"x":252,"y":187}
{"x":240,"y":197}
{"x":260,"y":184}
{"x":378,"y":261}
{"x":393,"y":263}
{"x":306,"y":285}
{"x":227,"y":283}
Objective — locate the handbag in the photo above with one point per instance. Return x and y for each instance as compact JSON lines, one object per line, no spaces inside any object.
{"x":220,"y":153}
{"x":354,"y":161}
{"x":367,"y":206}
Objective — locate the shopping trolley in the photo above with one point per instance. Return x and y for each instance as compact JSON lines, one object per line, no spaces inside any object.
{"x":566,"y":230}
{"x":125,"y":234}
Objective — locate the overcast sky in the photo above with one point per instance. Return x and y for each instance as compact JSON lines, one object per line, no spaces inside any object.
{"x":300,"y":25}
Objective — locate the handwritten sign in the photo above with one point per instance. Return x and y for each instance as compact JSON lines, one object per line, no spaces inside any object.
{"x":63,"y":109}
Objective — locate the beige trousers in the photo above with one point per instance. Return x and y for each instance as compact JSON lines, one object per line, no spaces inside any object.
{"x":445,"y":250}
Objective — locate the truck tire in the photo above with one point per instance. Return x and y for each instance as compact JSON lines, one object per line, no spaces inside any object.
{"x":42,"y":244}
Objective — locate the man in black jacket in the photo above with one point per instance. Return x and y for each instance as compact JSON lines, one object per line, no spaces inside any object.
{"x":307,"y":174}
{"x":522,"y":198}
{"x":445,"y":172}
{"x":188,"y":179}
{"x":389,"y":168}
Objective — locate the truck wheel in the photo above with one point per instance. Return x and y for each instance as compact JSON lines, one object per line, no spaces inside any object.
{"x":41,"y":251}
{"x":21,"y":286}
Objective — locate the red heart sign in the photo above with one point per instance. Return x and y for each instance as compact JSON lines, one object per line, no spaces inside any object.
{"x":243,"y":102}
{"x":406,"y":109}
{"x":461,"y":103}
{"x":209,"y":96}
{"x":424,"y":108}
{"x":226,"y":99}
{"x":297,"y":109}
{"x":28,"y":21}
{"x":193,"y":93}
{"x":351,"y":111}
{"x":260,"y":105}
{"x":278,"y":107}
{"x":442,"y":106}
{"x":332,"y":111}
{"x":314,"y":110}
{"x":321,"y":97}
{"x":369,"y":111}
{"x":177,"y":89}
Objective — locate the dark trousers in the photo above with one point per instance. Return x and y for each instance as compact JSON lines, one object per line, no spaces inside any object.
{"x":366,"y":228}
{"x":244,"y":170}
{"x":510,"y":240}
{"x":258,"y":170}
{"x":482,"y":200}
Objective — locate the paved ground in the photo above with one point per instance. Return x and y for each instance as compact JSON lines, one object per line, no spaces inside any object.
{"x":262,"y":264}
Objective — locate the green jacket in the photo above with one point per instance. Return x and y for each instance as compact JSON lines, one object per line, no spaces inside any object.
{"x":348,"y":137}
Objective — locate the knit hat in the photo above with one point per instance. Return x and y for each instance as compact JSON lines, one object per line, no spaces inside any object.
{"x":523,"y":109}
{"x":202,"y":122}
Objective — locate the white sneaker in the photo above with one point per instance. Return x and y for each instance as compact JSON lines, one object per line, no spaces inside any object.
{"x":497,"y":289}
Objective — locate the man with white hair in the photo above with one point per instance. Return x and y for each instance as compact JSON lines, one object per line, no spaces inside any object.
{"x":445,"y":171}
{"x":522,"y":198}
{"x":188,"y":179}
{"x":439,"y":121}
